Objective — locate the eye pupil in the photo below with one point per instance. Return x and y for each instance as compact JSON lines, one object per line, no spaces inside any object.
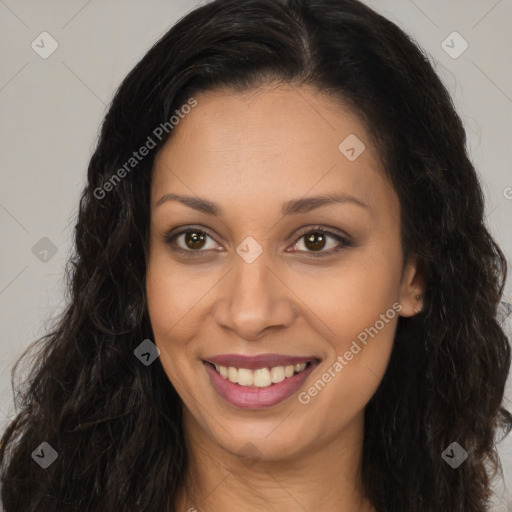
{"x":192,"y":238}
{"x":314,"y":238}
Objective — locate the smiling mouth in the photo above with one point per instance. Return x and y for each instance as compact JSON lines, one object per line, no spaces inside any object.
{"x":262,"y":377}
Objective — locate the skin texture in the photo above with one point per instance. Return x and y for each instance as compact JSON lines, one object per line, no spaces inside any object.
{"x":249,"y":153}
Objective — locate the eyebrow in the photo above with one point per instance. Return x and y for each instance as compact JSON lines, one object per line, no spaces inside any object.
{"x":293,"y":207}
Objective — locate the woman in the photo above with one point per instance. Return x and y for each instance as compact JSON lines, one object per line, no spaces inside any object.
{"x":283,"y":296}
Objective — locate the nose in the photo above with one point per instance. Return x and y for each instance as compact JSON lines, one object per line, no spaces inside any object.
{"x":254,"y":300}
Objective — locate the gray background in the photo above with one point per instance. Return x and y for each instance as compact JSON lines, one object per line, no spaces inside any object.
{"x":52,"y":109}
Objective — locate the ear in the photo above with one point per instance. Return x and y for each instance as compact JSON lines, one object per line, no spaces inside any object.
{"x":412,"y":287}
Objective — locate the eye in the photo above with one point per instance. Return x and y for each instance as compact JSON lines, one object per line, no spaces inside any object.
{"x":315,"y":241}
{"x":191,"y":240}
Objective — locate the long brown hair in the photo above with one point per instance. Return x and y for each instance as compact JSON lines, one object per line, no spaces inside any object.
{"x":116,"y":423}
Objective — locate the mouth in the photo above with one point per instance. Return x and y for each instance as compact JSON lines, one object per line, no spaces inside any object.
{"x":261,"y":377}
{"x":258,"y":382}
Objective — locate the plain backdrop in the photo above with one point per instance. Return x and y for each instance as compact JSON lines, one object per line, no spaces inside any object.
{"x":52,"y":106}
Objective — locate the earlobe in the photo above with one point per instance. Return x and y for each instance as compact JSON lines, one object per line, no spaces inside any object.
{"x":418,"y":299}
{"x":412,"y":288}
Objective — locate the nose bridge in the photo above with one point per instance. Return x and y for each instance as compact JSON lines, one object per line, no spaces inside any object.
{"x":255,"y":298}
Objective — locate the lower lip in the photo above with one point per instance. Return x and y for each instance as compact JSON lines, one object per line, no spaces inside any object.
{"x":253,"y":397}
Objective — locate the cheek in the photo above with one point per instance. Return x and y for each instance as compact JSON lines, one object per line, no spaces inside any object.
{"x":362,"y":330}
{"x":348,"y":381}
{"x":358,"y":312}
{"x":174,"y":296}
{"x":352,"y":295}
{"x":174,"y":300}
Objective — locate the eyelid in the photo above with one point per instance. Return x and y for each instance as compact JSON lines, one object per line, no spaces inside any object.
{"x":171,"y":235}
{"x":344,"y":239}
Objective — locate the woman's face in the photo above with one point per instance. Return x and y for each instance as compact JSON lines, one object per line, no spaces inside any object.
{"x":255,"y":269}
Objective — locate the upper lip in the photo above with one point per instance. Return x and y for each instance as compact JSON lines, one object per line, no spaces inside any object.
{"x":259,"y":361}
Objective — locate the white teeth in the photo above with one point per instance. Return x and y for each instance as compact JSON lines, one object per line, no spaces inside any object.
{"x":277,"y":374}
{"x":232,"y":374}
{"x":245,"y":377}
{"x":299,"y":367}
{"x":261,"y":378}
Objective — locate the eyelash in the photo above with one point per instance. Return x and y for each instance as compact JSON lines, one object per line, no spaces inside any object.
{"x":170,"y":237}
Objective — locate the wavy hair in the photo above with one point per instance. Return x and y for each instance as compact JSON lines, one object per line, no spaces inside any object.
{"x":116,"y":424}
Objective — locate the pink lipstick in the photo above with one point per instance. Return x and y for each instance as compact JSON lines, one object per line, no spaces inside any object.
{"x":255,"y":382}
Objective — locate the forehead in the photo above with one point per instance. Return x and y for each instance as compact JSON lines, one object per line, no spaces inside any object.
{"x":269,"y":143}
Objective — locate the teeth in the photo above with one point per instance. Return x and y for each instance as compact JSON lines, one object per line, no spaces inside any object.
{"x":261,"y":378}
{"x":244,"y":377}
{"x":289,"y":370}
{"x":232,"y":374}
{"x":277,"y":374}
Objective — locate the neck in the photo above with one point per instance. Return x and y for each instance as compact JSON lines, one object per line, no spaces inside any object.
{"x":325,"y":477}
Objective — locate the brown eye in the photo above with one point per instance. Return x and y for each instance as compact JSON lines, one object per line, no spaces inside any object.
{"x":194,"y":239}
{"x":315,"y":241}
{"x":191,"y":241}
